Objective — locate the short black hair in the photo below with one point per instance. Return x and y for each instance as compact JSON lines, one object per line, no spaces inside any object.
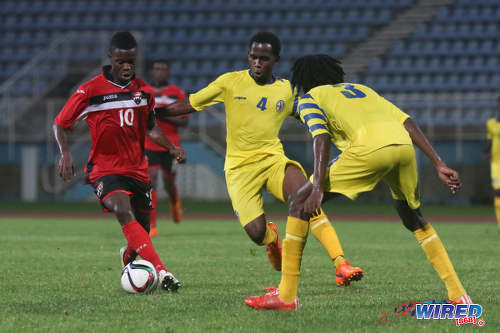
{"x":267,"y":38}
{"x":123,"y":40}
{"x":161,"y":61}
{"x":316,"y":70}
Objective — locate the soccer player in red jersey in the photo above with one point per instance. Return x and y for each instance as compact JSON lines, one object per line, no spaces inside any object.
{"x":119,"y":110}
{"x":160,"y":158}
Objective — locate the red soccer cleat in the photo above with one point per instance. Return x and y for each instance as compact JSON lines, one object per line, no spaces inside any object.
{"x":271,"y":301}
{"x":346,"y":273}
{"x":274,"y":249}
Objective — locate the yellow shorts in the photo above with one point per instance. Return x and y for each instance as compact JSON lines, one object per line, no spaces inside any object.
{"x":245,"y":183}
{"x":495,"y":176}
{"x":396,"y":165}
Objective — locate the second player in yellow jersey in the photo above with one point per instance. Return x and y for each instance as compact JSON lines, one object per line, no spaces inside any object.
{"x":254,"y":114}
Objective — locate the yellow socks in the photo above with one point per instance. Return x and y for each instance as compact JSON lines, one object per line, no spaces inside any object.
{"x":497,"y":210}
{"x":270,"y":236}
{"x":338,"y":261}
{"x":293,"y":245}
{"x":324,"y":232}
{"x":436,"y":253}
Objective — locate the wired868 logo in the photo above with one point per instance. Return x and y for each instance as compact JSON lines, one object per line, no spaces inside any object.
{"x":438,"y":309}
{"x":461,"y":313}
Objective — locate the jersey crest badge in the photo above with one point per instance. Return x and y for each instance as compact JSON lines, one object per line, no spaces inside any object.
{"x":137,"y":97}
{"x":280,"y":105}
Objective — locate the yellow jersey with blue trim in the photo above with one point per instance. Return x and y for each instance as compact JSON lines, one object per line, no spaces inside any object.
{"x":355,"y":116}
{"x":254,"y":114}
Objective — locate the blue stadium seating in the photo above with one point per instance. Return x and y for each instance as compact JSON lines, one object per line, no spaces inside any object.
{"x":456,"y":51}
{"x":216,"y":30}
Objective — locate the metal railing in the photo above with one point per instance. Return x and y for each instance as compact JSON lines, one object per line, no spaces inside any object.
{"x":39,"y":76}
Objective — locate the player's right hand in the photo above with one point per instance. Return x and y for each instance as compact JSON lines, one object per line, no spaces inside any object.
{"x":66,"y":168}
{"x":312,"y":205}
{"x":180,"y":154}
{"x":449,"y":177}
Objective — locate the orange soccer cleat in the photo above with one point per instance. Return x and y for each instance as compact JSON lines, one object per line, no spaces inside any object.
{"x":175,"y":209}
{"x":346,"y":273}
{"x":272,"y":301}
{"x":153,"y":232}
{"x":274,"y":249}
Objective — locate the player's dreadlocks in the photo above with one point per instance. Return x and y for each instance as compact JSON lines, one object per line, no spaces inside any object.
{"x":315,"y":70}
{"x":123,"y":40}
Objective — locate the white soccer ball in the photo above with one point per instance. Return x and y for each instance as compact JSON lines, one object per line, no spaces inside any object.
{"x":139,"y":277}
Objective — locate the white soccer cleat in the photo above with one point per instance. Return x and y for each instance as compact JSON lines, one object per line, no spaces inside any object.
{"x":168,"y":281}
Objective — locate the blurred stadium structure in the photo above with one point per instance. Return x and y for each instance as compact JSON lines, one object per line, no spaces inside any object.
{"x":436,"y":59}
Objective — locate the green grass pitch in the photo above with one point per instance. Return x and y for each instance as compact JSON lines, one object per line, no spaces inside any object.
{"x":63,"y":275}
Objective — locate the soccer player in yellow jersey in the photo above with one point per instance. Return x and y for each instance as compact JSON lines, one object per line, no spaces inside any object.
{"x":493,"y":154}
{"x":256,"y":105}
{"x":375,"y":138}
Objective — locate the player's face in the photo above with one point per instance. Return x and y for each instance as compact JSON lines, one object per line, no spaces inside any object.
{"x":123,"y":65}
{"x":161,"y":73}
{"x":261,"y":61}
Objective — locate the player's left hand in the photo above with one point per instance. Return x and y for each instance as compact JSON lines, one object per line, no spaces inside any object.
{"x":313,"y":202}
{"x":180,"y":154}
{"x":449,"y":177}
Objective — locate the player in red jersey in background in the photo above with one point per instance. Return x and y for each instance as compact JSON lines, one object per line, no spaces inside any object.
{"x":119,"y":110}
{"x":160,"y":158}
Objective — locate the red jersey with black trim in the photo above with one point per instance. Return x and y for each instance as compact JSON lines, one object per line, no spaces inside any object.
{"x":118,"y":117}
{"x":164,"y":96}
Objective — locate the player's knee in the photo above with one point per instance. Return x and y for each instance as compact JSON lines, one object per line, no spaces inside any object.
{"x":123,"y":214}
{"x":256,"y":230}
{"x":122,"y":211}
{"x":412,"y":218}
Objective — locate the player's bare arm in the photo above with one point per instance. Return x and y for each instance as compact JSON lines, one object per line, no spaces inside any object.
{"x":177,"y":121}
{"x":321,"y":146}
{"x":487,"y":151}
{"x":157,"y":135}
{"x":176,"y":108}
{"x":447,"y":175}
{"x":66,"y":167}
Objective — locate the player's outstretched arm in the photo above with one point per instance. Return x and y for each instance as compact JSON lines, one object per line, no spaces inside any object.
{"x":321,"y":145}
{"x":177,"y":121}
{"x":158,"y":137}
{"x":177,"y":108}
{"x":66,"y":167}
{"x":447,"y":175}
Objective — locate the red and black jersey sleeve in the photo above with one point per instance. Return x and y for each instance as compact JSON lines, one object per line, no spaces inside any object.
{"x":73,"y":109}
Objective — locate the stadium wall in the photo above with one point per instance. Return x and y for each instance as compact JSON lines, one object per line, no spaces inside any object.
{"x":202,"y":178}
